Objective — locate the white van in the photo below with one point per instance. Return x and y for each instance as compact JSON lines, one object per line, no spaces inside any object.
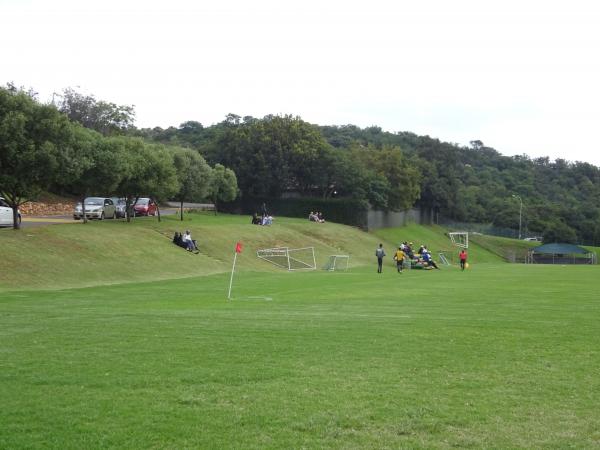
{"x":6,"y":214}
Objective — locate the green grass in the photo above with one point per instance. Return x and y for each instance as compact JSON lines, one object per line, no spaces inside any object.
{"x":498,"y":356}
{"x":116,"y":252}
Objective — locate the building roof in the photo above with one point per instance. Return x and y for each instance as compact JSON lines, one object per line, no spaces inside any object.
{"x":564,"y":249}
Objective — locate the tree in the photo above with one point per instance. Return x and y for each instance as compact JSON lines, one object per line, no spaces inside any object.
{"x":97,"y":167}
{"x":223,"y":185}
{"x":193,"y":174}
{"x":147,"y":170}
{"x":105,"y":117}
{"x":35,"y":141}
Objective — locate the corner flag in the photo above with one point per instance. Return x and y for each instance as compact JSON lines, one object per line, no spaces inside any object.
{"x":238,"y":249}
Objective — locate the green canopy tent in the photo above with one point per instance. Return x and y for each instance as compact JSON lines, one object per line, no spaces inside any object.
{"x":560,"y":254}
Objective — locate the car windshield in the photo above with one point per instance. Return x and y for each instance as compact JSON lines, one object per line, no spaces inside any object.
{"x":94,"y":201}
{"x":142,"y":201}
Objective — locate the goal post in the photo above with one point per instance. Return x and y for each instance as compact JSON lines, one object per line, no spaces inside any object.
{"x":289,"y":258}
{"x":337,"y":262}
{"x":459,"y":238}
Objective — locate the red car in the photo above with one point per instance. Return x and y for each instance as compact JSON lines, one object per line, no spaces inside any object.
{"x":145,"y":207}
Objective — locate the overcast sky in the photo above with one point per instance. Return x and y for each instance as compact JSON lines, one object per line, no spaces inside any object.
{"x":521,"y":76}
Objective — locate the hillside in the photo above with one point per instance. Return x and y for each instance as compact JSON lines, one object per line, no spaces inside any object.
{"x":110,"y":252}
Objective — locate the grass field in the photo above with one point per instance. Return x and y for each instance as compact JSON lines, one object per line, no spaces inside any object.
{"x":499,"y":356}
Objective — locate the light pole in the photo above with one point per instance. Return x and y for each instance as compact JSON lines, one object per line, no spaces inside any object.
{"x":520,"y":211}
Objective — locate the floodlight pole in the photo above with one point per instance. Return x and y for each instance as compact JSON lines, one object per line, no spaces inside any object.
{"x":520,"y":212}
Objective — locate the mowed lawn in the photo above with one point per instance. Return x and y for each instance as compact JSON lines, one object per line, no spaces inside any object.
{"x":501,"y":356}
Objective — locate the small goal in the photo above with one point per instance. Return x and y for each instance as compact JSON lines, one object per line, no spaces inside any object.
{"x":289,"y":258}
{"x":459,"y":238}
{"x":337,"y":262}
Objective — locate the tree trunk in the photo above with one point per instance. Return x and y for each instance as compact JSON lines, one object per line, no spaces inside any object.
{"x":14,"y":201}
{"x":181,"y":209}
{"x":16,"y":223}
{"x":83,"y":216}
{"x":128,"y":207}
{"x":157,"y":212}
{"x":215,"y":206}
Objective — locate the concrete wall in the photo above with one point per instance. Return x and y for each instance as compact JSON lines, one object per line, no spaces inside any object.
{"x":386,"y":219}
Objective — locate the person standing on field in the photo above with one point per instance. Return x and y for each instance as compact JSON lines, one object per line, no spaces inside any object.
{"x":380,"y":253}
{"x":463,"y":259}
{"x":399,"y":258}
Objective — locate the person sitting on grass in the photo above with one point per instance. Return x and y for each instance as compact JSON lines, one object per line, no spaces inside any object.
{"x":190,"y":244}
{"x":320,"y":217}
{"x":178,"y":240}
{"x":255,"y":219}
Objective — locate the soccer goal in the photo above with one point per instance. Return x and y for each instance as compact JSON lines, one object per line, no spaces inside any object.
{"x":337,"y":262}
{"x":443,"y":258}
{"x":289,"y":258}
{"x":459,"y":238}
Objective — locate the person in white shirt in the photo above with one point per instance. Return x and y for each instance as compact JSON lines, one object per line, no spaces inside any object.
{"x":190,"y":244}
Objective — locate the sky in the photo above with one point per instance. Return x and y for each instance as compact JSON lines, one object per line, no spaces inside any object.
{"x":521,"y":76}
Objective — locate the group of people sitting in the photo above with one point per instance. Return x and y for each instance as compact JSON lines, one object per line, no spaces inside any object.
{"x":265,"y":219}
{"x":421,"y":260}
{"x":316,"y":217}
{"x":185,"y":241}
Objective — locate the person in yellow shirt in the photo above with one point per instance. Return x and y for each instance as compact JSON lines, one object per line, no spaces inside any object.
{"x":399,"y":257}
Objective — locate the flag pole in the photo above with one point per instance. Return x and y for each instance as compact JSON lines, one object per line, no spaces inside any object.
{"x":231,"y":279}
{"x":238,"y":249}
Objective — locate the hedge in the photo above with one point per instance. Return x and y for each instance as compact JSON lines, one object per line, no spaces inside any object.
{"x":340,"y":210}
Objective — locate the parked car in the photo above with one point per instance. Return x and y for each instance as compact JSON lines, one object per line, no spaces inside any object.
{"x":96,"y":208}
{"x":120,"y":206}
{"x":6,"y":214}
{"x":534,"y":239}
{"x":145,"y":207}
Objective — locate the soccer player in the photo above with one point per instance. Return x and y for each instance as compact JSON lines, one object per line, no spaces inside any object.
{"x":399,"y":258}
{"x":380,"y":253}
{"x":463,"y":259}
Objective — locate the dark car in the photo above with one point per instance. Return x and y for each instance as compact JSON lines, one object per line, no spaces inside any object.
{"x":120,"y":206}
{"x":145,"y":207}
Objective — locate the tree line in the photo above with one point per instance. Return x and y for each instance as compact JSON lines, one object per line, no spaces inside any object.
{"x":394,"y":171}
{"x":45,"y":147}
{"x":277,"y":155}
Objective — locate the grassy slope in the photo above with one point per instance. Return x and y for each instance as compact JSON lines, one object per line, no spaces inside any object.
{"x":110,"y":252}
{"x":334,"y":360}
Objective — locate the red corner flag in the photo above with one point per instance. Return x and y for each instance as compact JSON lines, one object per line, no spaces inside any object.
{"x":238,"y":247}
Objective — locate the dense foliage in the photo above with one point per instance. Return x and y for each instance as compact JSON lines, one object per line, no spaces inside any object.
{"x":42,"y":149}
{"x":276,"y":154}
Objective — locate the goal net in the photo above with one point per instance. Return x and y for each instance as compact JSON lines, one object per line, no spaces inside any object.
{"x":460,"y":238}
{"x":289,"y":258}
{"x":337,"y":262}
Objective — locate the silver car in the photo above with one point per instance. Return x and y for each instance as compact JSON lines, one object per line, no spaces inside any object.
{"x":6,"y":214}
{"x":96,"y":208}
